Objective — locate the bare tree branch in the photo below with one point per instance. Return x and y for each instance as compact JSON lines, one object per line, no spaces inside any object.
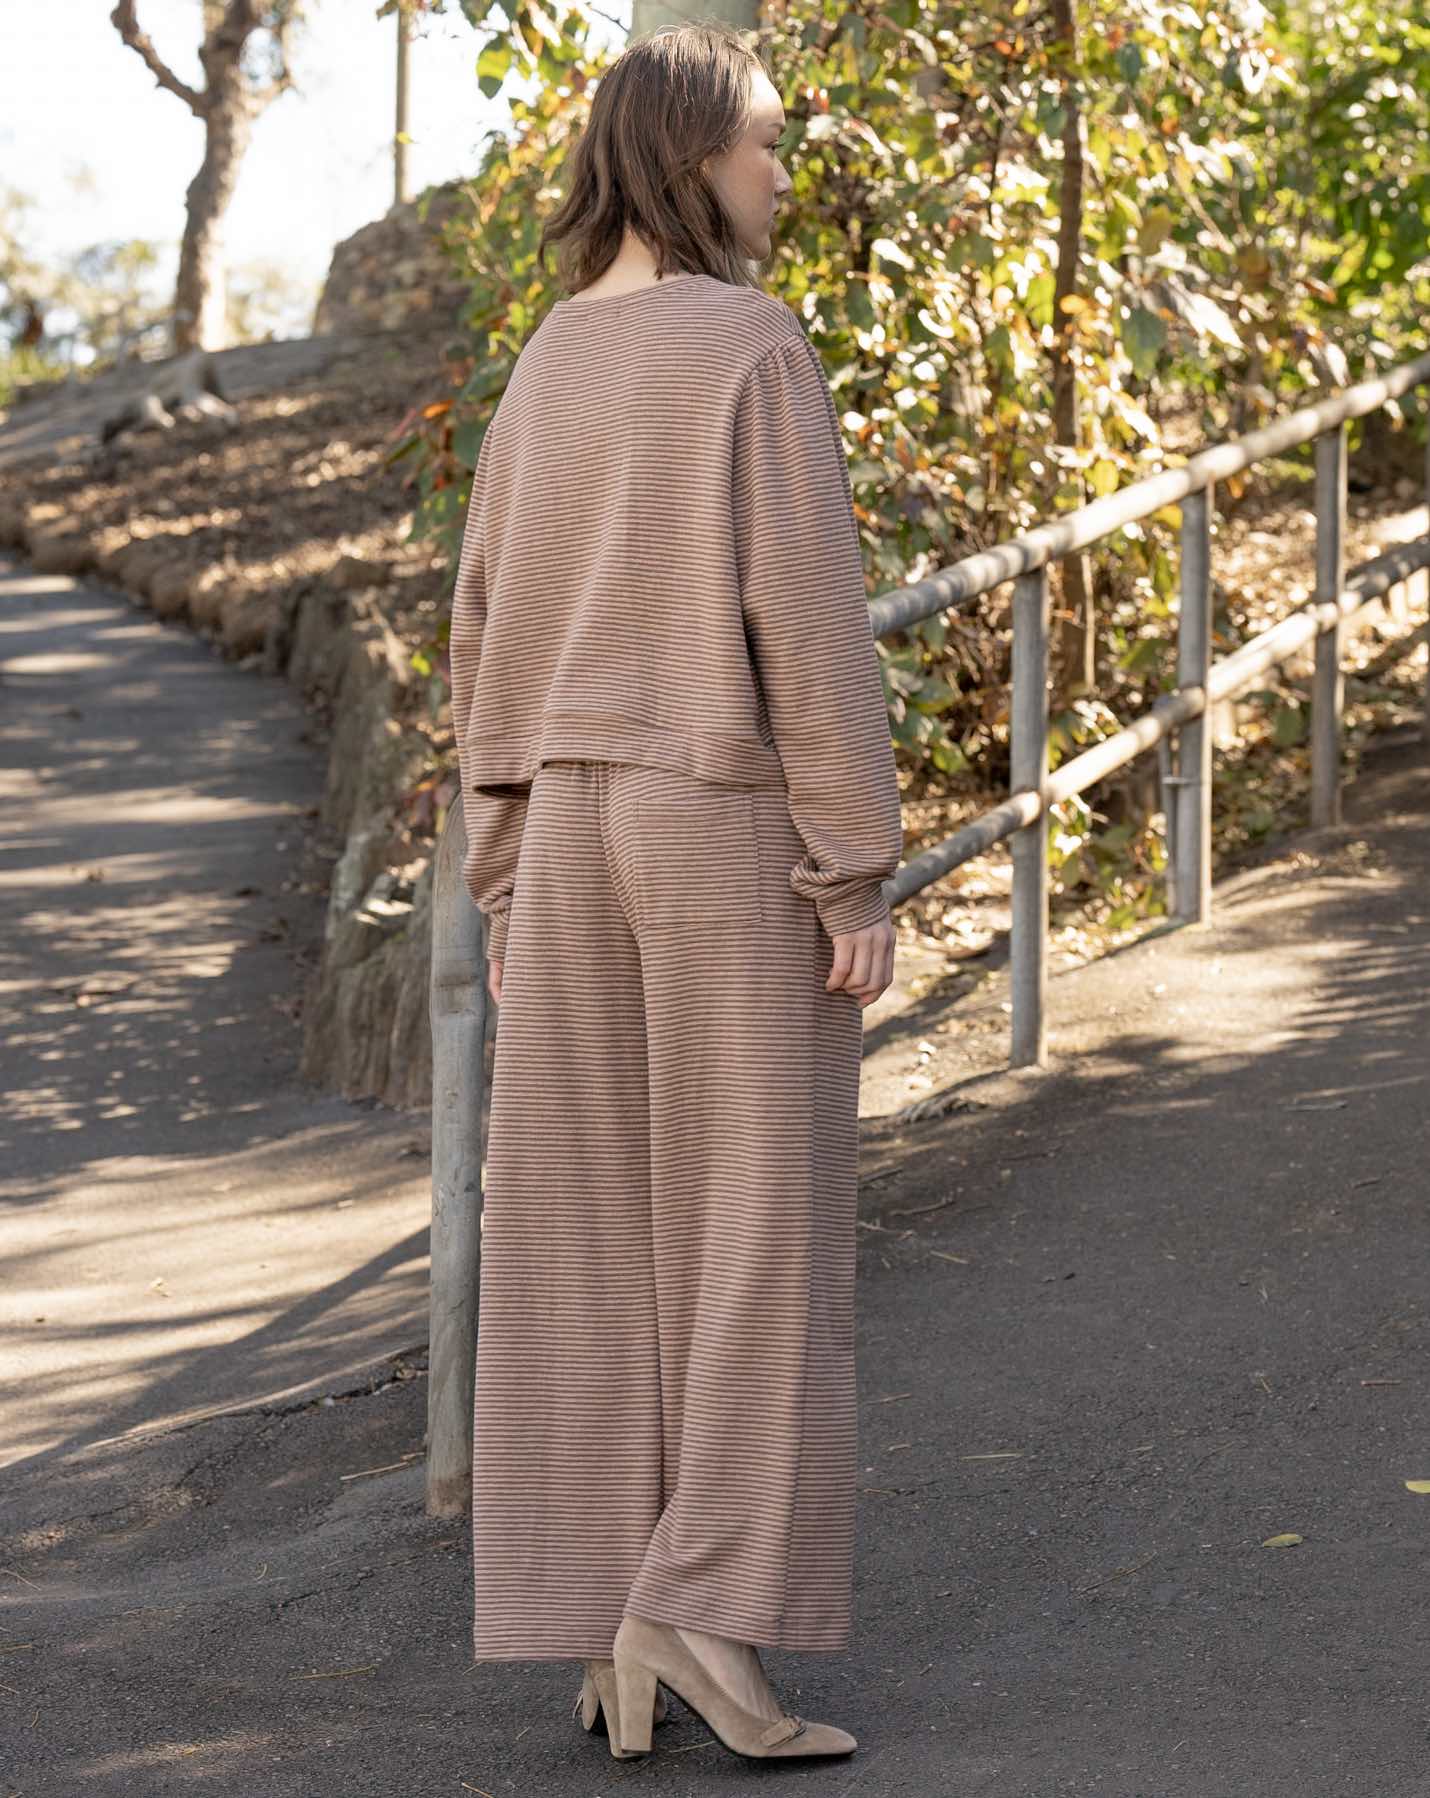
{"x":281,"y":28}
{"x":241,"y":19}
{"x":126,"y":23}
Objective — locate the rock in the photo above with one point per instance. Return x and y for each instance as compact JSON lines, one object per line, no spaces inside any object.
{"x":371,"y":759}
{"x":351,"y":572}
{"x":366,"y":1030}
{"x":210,"y":598}
{"x":362,"y":861}
{"x":318,"y":652}
{"x":169,"y":590}
{"x":60,"y":552}
{"x":395,"y":268}
{"x":138,"y":561}
{"x":243,"y":621}
{"x":107,"y":555}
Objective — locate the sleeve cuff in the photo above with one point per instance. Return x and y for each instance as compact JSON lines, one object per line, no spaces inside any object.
{"x":851,"y":904}
{"x":496,"y":922}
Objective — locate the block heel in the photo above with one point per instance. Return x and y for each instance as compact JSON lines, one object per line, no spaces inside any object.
{"x":635,"y":1705}
{"x":596,"y":1703}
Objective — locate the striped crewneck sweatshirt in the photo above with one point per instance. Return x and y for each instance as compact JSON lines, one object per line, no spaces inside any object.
{"x":660,"y":564}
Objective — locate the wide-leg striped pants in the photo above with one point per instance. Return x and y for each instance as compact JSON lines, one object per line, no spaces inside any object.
{"x":665,"y":1383}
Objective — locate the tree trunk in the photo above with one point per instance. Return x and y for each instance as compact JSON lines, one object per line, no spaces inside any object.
{"x":201,"y":292}
{"x":227,"y":104}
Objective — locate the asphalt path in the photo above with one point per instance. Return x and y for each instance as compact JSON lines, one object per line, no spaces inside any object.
{"x":186,"y":1225}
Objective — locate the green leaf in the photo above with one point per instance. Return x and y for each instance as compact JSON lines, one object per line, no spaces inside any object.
{"x":493,"y":66}
{"x":1144,"y":655}
{"x":1289,"y":725}
{"x":1143,"y":337}
{"x":467,"y":441}
{"x":859,"y":306}
{"x":1038,"y":300}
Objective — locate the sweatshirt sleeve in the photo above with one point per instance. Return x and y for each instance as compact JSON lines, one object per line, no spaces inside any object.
{"x":494,"y":815}
{"x":806,"y":615}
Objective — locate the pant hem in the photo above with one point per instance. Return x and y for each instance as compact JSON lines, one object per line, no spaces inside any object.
{"x":791,"y":1641}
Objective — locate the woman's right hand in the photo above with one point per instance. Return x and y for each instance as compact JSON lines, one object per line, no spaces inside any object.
{"x":863,"y":961}
{"x":494,"y":978}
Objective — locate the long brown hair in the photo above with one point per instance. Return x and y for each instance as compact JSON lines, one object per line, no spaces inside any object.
{"x":669,"y":101}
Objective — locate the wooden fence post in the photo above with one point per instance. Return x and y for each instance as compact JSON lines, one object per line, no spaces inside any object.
{"x":1329,"y":695}
{"x":1028,"y":720}
{"x":458,"y":1001}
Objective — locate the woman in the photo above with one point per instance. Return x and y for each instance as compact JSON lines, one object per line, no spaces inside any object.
{"x":681,"y":803}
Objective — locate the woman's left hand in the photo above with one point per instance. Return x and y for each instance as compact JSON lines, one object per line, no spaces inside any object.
{"x":863,"y":961}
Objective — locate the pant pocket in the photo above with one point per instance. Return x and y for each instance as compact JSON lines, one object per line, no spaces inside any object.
{"x":698,"y":854}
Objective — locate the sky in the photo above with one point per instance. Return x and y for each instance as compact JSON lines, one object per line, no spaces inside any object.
{"x":105,"y":153}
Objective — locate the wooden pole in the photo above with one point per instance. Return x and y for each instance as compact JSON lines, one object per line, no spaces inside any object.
{"x":458,"y":1000}
{"x":400,"y":192}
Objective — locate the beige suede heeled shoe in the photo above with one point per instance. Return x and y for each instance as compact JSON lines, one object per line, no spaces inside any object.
{"x":646,"y":1652}
{"x":596,"y":1704}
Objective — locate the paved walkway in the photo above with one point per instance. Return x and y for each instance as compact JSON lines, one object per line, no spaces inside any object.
{"x":173,"y":1237}
{"x":1120,"y":1326}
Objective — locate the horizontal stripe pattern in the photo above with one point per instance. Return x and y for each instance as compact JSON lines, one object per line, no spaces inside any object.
{"x":665,"y":1412}
{"x":660,"y":564}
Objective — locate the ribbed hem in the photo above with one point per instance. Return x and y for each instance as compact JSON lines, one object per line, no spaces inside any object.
{"x":496,"y":926}
{"x":494,"y":759}
{"x":853,"y":905}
